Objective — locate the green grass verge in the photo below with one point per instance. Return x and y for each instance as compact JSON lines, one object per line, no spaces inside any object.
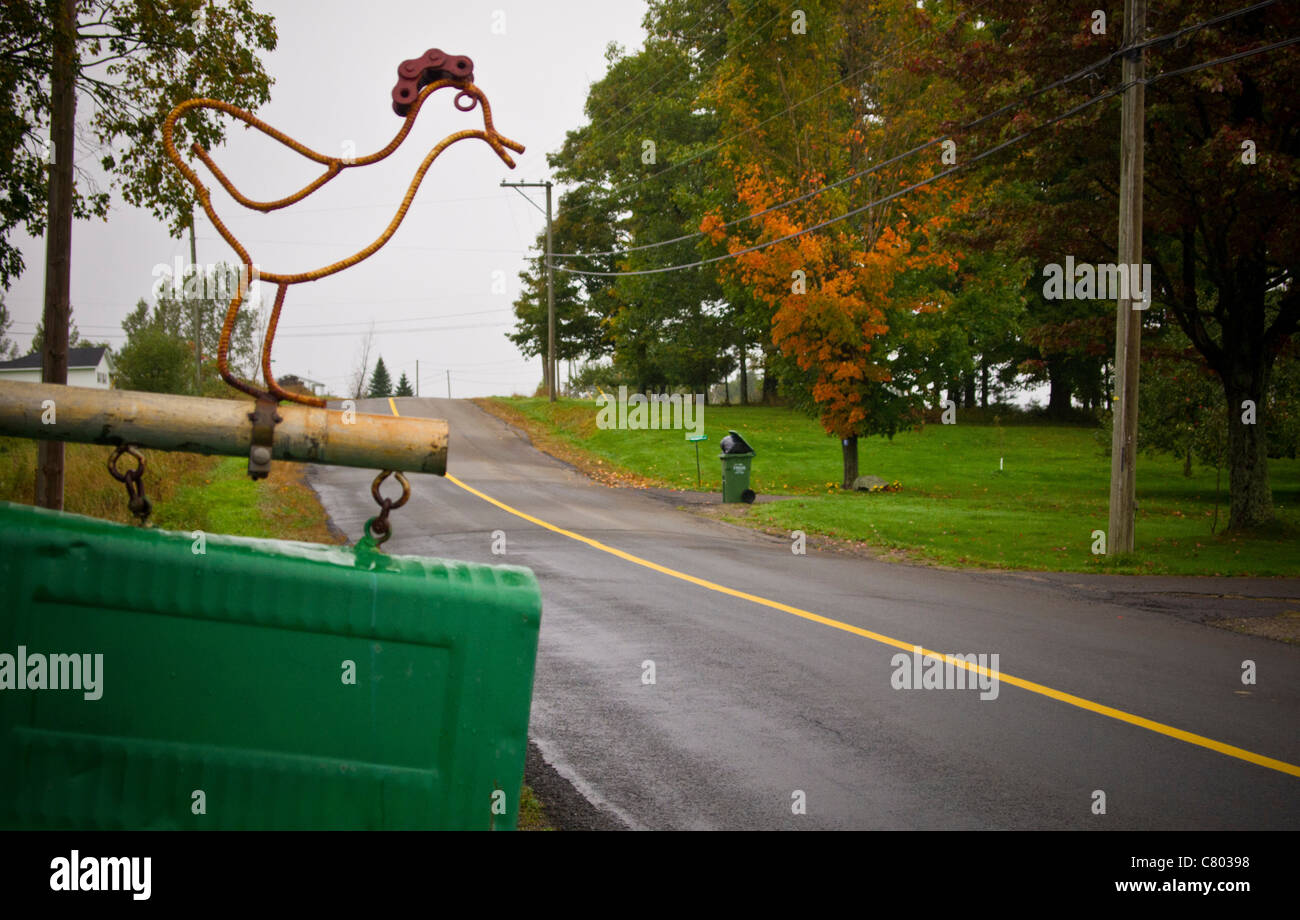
{"x":957,"y":507}
{"x":225,"y":500}
{"x":532,"y":814}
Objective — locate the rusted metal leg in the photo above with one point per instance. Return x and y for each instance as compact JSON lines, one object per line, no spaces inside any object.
{"x":271,"y":383}
{"x":223,"y":347}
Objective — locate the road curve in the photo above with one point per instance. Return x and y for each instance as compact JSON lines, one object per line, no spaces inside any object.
{"x":758,"y":717}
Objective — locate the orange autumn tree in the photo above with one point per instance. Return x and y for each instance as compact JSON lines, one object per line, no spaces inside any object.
{"x":842,"y":299}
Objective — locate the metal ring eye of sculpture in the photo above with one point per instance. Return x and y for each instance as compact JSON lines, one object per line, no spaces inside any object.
{"x":473,"y":101}
{"x":415,"y":74}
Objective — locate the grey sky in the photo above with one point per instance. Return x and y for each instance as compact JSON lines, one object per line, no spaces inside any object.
{"x":334,"y":69}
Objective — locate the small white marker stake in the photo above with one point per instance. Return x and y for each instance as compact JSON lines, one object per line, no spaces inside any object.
{"x":999,"y":464}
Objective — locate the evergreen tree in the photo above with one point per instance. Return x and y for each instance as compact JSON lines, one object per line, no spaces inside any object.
{"x":380,"y":383}
{"x":8,"y":347}
{"x":38,"y":337}
{"x":404,"y":386}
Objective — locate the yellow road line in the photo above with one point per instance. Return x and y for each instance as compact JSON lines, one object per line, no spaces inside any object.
{"x":1069,"y":698}
{"x":392,"y":405}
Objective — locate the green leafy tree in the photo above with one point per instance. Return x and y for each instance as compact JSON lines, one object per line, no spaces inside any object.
{"x":159,"y":354}
{"x":641,"y":177}
{"x":155,"y":361}
{"x":134,"y":61}
{"x":404,"y":386}
{"x":1181,"y":410}
{"x":155,"y":358}
{"x":859,"y":305}
{"x":1222,"y":171}
{"x":194,"y":307}
{"x":380,"y":383}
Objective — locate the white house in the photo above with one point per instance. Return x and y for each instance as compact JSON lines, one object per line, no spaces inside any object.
{"x":87,"y":367}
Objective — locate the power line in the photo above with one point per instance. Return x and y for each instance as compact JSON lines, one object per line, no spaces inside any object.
{"x":1226,"y":59}
{"x":404,"y":319}
{"x":859,"y":210}
{"x":282,"y":242}
{"x":353,"y":332}
{"x":1088,"y":70}
{"x":948,"y":172}
{"x":1079,"y":74}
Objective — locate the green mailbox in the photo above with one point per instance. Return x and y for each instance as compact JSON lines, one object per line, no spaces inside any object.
{"x":152,"y":679}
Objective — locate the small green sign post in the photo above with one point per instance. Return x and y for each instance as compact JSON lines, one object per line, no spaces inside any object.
{"x":697,"y":438}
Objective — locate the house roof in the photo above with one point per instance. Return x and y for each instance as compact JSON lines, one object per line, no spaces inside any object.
{"x":81,"y":356}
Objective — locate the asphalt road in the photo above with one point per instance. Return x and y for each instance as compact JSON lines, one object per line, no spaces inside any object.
{"x":755,"y":709}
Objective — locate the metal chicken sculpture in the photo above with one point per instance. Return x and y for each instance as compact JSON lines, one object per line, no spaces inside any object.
{"x":418,"y":79}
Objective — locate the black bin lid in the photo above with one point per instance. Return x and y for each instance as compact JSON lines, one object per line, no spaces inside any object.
{"x":733,"y":443}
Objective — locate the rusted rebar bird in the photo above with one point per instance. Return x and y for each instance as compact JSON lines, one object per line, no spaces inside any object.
{"x":418,"y":78}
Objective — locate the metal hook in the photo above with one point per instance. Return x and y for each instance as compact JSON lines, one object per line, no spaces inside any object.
{"x":379,"y":524}
{"x":136,"y":501}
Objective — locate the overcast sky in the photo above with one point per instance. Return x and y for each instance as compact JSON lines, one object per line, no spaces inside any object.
{"x":430,"y":290}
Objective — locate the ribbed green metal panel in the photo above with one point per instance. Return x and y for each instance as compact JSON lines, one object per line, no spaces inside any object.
{"x":223,"y":672}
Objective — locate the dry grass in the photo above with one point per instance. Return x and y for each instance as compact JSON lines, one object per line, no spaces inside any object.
{"x":88,"y":487}
{"x":188,"y":492}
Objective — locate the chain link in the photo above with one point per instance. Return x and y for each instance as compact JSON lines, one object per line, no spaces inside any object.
{"x":138,"y":504}
{"x":378,"y":528}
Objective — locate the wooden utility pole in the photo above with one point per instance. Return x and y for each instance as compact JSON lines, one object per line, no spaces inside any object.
{"x":449,"y":383}
{"x":417,"y":376}
{"x":549,"y":361}
{"x":58,"y":238}
{"x":1128,"y":314}
{"x":198,"y":327}
{"x":550,"y":300}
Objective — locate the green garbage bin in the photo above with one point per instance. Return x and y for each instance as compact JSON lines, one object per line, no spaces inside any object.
{"x":737,"y":461}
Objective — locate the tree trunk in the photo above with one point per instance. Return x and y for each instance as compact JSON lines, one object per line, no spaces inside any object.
{"x":1251,"y":499}
{"x":1058,"y":403}
{"x":849,"y":447}
{"x":58,"y":239}
{"x":984,"y":383}
{"x":744,"y":379}
{"x":968,"y":384}
{"x":769,"y":378}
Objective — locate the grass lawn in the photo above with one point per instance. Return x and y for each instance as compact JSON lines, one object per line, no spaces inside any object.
{"x":956,"y":507}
